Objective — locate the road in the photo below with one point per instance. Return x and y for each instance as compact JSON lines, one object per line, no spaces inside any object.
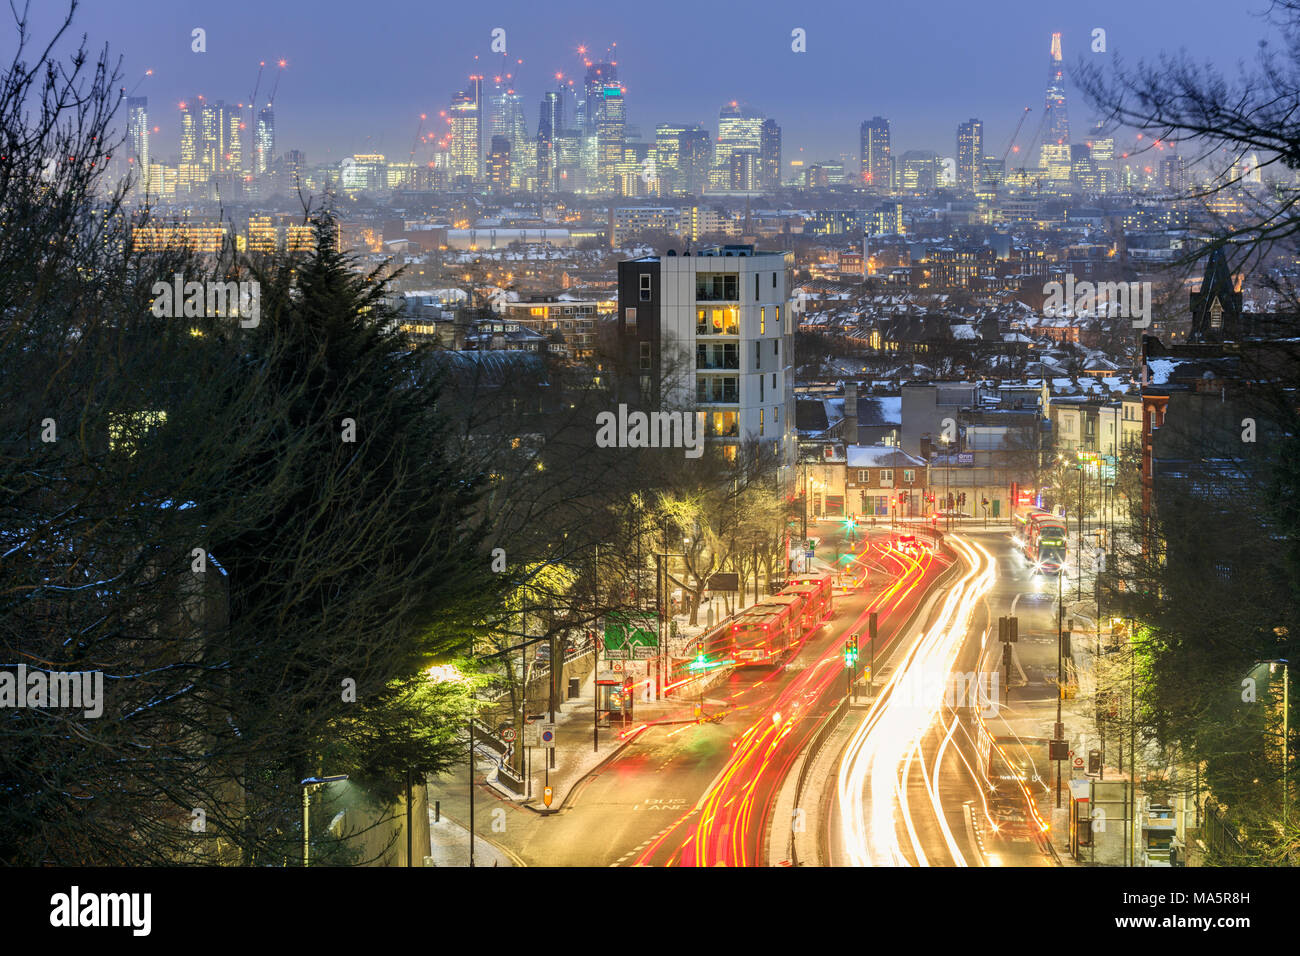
{"x":683,"y":784}
{"x":948,"y":766}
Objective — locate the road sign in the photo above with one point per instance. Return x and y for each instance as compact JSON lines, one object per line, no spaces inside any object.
{"x":617,"y":667}
{"x":546,"y":732}
{"x":508,"y":735}
{"x":532,"y":735}
{"x":548,"y":794}
{"x":724,"y":582}
{"x":1078,"y":763}
{"x":965,"y":458}
{"x":624,"y":633}
{"x":642,"y":653}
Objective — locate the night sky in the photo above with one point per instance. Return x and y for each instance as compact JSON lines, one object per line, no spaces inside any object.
{"x":361,"y":71}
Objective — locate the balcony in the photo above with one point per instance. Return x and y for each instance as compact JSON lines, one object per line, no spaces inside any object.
{"x":717,"y":287}
{"x":717,"y":391}
{"x":717,"y":357}
{"x":717,"y":321}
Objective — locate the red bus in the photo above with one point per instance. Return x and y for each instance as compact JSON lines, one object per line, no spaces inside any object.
{"x":818,"y":595}
{"x":1042,"y":538}
{"x":762,"y":634}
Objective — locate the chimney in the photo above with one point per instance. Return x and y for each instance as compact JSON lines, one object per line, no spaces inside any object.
{"x":851,"y":413}
{"x":925,"y":447}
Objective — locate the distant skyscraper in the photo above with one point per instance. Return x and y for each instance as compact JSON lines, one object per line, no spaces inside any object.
{"x":498,"y":164}
{"x":506,"y":108}
{"x":550,"y":123}
{"x":467,"y":131}
{"x":1173,"y":175}
{"x":1103,"y":160}
{"x":970,"y":154}
{"x":611,"y":130}
{"x":1056,"y":124}
{"x":740,"y":130}
{"x":599,"y":76}
{"x":695,"y":155}
{"x":876,"y":166}
{"x":137,"y":129}
{"x":295,"y":164}
{"x":920,"y":171}
{"x":264,"y":153}
{"x":769,"y":155}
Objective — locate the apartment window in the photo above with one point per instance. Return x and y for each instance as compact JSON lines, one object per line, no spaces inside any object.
{"x":774,"y":381}
{"x":645,"y":356}
{"x":717,"y":287}
{"x":646,"y":279}
{"x":629,"y":318}
{"x":758,"y":355}
{"x":762,"y":320}
{"x":776,"y":415}
{"x":909,"y":476}
{"x":773,"y":280}
{"x":760,"y":388}
{"x":776,"y":347}
{"x":760,"y":421}
{"x":864,"y":476}
{"x":886,"y":478}
{"x":755,"y":286}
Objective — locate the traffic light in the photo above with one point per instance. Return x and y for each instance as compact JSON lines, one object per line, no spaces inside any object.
{"x":851,"y":651}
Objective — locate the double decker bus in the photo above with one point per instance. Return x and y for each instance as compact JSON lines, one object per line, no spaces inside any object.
{"x":818,"y":596}
{"x":1042,"y":538}
{"x":766,"y":632}
{"x":761,"y":635}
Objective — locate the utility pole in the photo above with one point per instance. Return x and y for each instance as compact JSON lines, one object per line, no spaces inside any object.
{"x":1079,"y":575}
{"x":871,"y":676}
{"x":1060,"y":686}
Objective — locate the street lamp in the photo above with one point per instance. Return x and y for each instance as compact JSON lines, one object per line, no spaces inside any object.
{"x":308,"y":785}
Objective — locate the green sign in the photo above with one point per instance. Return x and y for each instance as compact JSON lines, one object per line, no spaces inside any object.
{"x":630,"y":637}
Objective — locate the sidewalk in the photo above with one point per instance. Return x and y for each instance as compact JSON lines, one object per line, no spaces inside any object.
{"x":575,"y":754}
{"x":449,"y":845}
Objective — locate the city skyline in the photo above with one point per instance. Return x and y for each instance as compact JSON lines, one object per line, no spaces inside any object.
{"x":331,"y":113}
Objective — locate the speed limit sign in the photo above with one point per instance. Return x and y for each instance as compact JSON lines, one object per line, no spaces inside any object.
{"x":508,"y":735}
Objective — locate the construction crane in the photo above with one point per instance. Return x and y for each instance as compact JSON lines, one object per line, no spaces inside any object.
{"x":270,"y":100}
{"x":418,"y":130}
{"x":252,"y":100}
{"x":1011,"y":144}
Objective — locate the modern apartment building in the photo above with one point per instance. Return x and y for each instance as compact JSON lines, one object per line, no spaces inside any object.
{"x":713,"y":331}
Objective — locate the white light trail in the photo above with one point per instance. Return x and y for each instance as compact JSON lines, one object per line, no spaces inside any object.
{"x":876,"y":766}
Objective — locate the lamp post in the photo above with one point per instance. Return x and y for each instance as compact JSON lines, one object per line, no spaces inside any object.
{"x":1078,"y":577}
{"x":309,"y":784}
{"x":947,"y":477}
{"x":661,"y":602}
